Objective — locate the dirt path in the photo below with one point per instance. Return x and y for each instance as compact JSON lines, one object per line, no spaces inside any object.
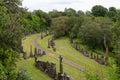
{"x":71,"y":63}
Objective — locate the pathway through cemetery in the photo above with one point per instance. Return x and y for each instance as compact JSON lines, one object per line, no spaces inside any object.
{"x":35,"y":41}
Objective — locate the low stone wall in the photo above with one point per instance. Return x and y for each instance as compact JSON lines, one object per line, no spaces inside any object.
{"x":49,"y":68}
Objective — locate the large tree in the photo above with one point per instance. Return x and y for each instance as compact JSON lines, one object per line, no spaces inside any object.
{"x":99,"y":10}
{"x":60,"y":26}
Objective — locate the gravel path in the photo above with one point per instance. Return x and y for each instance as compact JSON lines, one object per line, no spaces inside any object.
{"x":71,"y":63}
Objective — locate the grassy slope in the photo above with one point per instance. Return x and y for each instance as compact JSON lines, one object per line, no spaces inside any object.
{"x":65,"y":49}
{"x":29,"y":63}
{"x":37,"y":74}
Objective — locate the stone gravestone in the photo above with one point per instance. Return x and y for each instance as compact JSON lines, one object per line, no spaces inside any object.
{"x":91,"y":55}
{"x":54,"y":48}
{"x":24,"y":55}
{"x":48,"y":43}
{"x":35,"y":51}
{"x":44,"y":53}
{"x":102,"y":60}
{"x":31,"y":54}
{"x":61,"y":75}
{"x":35,"y":56}
{"x":41,"y":35}
{"x":87,"y":54}
{"x":52,"y":43}
{"x":39,"y":52}
{"x":82,"y":51}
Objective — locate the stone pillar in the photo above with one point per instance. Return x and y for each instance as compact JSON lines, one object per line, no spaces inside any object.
{"x":31,"y":54}
{"x":61,"y":66}
{"x":48,"y":43}
{"x":61,"y":74}
{"x":35,"y":51}
{"x":39,"y":52}
{"x":24,"y":55}
{"x":54,"y":48}
{"x":41,"y":35}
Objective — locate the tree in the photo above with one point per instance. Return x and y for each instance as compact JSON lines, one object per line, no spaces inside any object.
{"x":112,"y":13}
{"x":90,"y":34}
{"x":60,"y":26}
{"x":70,"y":12}
{"x":99,"y":10}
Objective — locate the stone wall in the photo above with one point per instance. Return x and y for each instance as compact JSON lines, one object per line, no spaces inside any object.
{"x":49,"y":68}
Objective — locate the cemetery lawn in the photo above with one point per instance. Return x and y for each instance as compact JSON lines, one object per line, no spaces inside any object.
{"x":29,"y":63}
{"x":37,"y":74}
{"x":63,"y":48}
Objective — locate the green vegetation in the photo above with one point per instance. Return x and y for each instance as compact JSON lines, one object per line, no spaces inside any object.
{"x":71,"y":54}
{"x":95,"y":30}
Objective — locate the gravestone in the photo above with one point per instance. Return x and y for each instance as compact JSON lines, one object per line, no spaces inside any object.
{"x":61,"y":66}
{"x":31,"y":54}
{"x":35,"y":51}
{"x":91,"y":55}
{"x":44,"y":53}
{"x":41,"y":35}
{"x":39,"y":52}
{"x":86,"y":54}
{"x":35,"y":56}
{"x":54,"y":48}
{"x":24,"y":55}
{"x":48,"y":43}
{"x":102,"y":60}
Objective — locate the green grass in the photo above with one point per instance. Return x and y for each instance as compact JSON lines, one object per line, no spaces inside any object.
{"x":64,"y":48}
{"x":33,"y":72}
{"x":29,"y":63}
{"x":74,"y":73}
{"x":37,"y":74}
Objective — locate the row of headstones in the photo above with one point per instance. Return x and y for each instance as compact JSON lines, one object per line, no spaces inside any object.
{"x":49,"y":68}
{"x":51,"y":43}
{"x":96,"y":57}
{"x":37,"y":52}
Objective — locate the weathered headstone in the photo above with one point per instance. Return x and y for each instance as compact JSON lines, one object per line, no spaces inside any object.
{"x":48,"y":43}
{"x":54,"y":48}
{"x":102,"y":60}
{"x":41,"y":35}
{"x":35,"y":56}
{"x":24,"y":55}
{"x":44,"y":53}
{"x":91,"y":55}
{"x":61,"y":66}
{"x":39,"y":52}
{"x":35,"y":51}
{"x":31,"y":53}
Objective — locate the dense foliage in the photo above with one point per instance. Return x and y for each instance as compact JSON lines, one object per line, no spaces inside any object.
{"x":15,"y":23}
